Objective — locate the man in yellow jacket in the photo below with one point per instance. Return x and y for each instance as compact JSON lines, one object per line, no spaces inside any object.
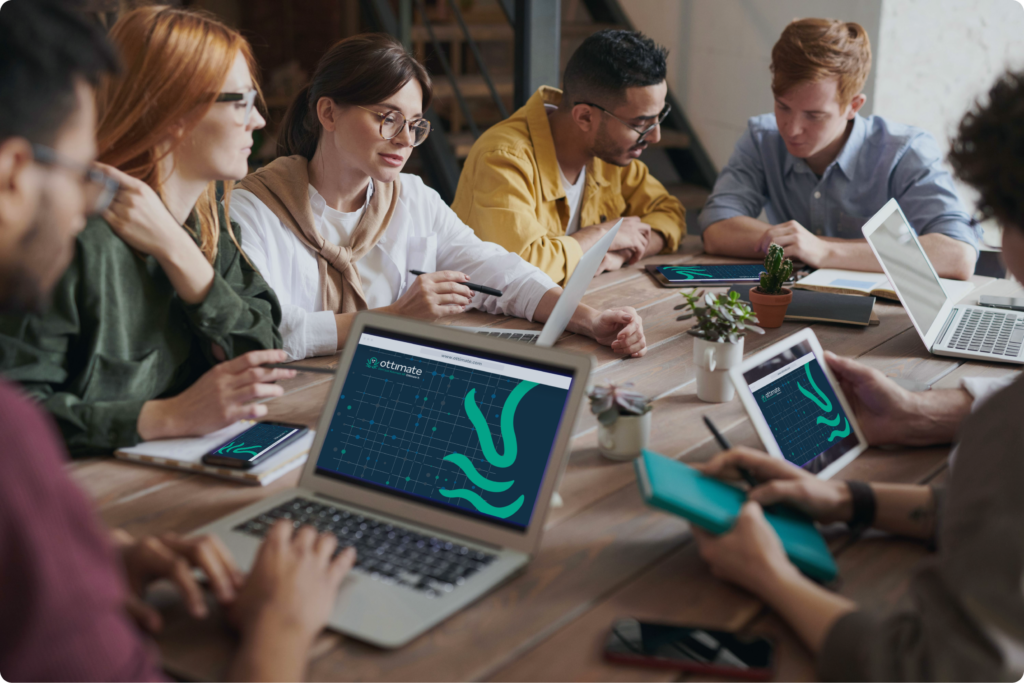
{"x":554,"y":177}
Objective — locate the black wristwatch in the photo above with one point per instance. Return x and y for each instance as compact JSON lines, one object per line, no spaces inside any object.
{"x":864,"y":506}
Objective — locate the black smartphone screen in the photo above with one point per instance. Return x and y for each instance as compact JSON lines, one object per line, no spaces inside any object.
{"x":255,"y":441}
{"x":690,"y":647}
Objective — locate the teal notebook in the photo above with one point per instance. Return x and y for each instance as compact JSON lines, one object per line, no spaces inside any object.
{"x":713,"y":505}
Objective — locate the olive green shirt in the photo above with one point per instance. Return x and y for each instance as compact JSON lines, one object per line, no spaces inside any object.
{"x":117,"y":335}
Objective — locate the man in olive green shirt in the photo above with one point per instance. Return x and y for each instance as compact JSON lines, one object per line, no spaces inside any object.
{"x":117,"y":335}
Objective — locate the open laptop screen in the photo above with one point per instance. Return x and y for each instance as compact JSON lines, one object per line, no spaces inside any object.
{"x":463,"y":430}
{"x":911,"y":272}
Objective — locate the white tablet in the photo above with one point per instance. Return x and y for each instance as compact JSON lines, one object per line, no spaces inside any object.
{"x":797,"y":407}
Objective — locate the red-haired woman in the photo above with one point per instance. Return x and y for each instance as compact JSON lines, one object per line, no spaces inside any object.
{"x":156,"y":292}
{"x":159,"y":291}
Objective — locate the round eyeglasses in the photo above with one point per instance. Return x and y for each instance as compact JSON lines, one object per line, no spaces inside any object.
{"x":100,"y":188}
{"x":244,"y":102}
{"x":393,"y":122}
{"x":642,"y":131}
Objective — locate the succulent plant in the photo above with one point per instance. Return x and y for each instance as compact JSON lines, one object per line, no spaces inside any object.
{"x":721,"y":318}
{"x":777,"y":270}
{"x":611,"y":400}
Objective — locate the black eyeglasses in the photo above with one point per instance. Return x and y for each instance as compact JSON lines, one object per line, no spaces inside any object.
{"x":245,"y":102}
{"x":643,"y":132}
{"x":393,"y":122}
{"x":101,"y":188}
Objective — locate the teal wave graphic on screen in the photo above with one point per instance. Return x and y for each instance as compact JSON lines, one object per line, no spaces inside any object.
{"x":823,"y":402}
{"x":686,"y":272}
{"x":239,"y":449}
{"x":502,"y":460}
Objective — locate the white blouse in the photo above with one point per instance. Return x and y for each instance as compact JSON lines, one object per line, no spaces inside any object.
{"x":424,"y":234}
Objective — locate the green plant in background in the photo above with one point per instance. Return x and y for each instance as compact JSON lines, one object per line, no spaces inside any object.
{"x":777,"y":270}
{"x":721,"y":318}
{"x":612,"y":400}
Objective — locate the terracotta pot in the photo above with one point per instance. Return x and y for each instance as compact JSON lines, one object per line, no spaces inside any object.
{"x":770,"y":309}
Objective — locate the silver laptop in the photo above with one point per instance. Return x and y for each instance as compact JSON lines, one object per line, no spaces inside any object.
{"x":570,"y":298}
{"x":945,"y":327}
{"x":436,"y":455}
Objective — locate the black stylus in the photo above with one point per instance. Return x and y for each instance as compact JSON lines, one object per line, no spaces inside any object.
{"x":724,"y":443}
{"x":300,"y":368}
{"x":476,"y":288}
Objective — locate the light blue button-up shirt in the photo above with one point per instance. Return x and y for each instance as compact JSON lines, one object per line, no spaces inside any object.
{"x":880,"y":160}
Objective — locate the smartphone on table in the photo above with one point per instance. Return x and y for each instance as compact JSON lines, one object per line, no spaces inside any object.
{"x":689,"y":648}
{"x":255,"y":444}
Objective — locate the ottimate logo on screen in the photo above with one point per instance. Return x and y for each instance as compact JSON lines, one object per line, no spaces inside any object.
{"x":374,"y":364}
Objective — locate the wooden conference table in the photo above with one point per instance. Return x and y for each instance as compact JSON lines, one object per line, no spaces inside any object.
{"x":604,"y":553}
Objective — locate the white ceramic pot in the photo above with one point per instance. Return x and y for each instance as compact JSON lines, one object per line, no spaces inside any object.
{"x":714,"y":360}
{"x":623,"y":439}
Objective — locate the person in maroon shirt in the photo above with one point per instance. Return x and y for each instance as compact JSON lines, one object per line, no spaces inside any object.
{"x":70,"y":595}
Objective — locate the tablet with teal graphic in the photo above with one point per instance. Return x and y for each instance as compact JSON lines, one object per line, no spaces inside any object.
{"x":685,"y":275}
{"x":797,"y":407}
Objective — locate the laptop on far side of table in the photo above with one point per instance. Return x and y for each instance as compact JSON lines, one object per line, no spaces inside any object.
{"x":570,"y":298}
{"x":436,"y":455}
{"x":946,"y":327}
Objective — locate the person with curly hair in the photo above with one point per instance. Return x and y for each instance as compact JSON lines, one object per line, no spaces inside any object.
{"x":548,"y":182}
{"x":819,"y":170}
{"x":963,"y":614}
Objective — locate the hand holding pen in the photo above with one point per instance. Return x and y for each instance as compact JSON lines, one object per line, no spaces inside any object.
{"x":475,"y":287}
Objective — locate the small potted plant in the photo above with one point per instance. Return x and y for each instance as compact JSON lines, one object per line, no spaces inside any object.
{"x":624,"y":420}
{"x":722,"y":322}
{"x":770,"y":299}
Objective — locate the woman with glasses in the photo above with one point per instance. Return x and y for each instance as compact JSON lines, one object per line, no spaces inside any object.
{"x":159,"y":291}
{"x":335,"y":227}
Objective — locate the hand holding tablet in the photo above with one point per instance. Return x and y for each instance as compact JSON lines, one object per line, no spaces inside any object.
{"x":797,"y":406}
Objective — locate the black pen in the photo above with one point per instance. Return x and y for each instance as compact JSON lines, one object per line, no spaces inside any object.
{"x":300,"y":368}
{"x":724,"y":443}
{"x":476,"y":288}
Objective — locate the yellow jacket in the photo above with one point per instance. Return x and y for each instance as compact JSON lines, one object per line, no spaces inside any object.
{"x":511,"y":193}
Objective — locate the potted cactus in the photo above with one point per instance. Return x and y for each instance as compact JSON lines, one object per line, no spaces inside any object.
{"x":722,"y":322}
{"x":770,"y":299}
{"x":623,"y":420}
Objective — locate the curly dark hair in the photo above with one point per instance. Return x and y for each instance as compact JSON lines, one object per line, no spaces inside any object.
{"x":988,"y":151}
{"x":610,"y":61}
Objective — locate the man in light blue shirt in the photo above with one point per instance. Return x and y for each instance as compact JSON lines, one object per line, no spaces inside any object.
{"x":820,"y":170}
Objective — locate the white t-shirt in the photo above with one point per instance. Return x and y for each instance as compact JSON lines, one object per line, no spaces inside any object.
{"x":424,"y":234}
{"x":574,"y":197}
{"x":573,"y":192}
{"x":336,"y":227}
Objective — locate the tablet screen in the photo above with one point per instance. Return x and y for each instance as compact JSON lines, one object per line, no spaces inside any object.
{"x":800,"y":406}
{"x":740,"y":272}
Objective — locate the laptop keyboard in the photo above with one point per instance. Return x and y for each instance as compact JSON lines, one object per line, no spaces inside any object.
{"x":529,"y":338}
{"x":386,"y":552}
{"x":989,"y":332}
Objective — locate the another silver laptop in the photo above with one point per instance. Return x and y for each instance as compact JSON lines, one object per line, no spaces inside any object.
{"x":570,"y":298}
{"x":436,"y":455}
{"x":945,"y":327}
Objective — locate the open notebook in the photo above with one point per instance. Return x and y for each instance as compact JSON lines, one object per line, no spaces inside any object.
{"x":835,"y":281}
{"x":187,"y":454}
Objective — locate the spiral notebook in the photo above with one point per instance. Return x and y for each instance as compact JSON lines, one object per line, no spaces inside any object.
{"x":187,"y":454}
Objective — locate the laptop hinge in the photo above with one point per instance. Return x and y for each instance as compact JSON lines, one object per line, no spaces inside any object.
{"x":945,"y":328}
